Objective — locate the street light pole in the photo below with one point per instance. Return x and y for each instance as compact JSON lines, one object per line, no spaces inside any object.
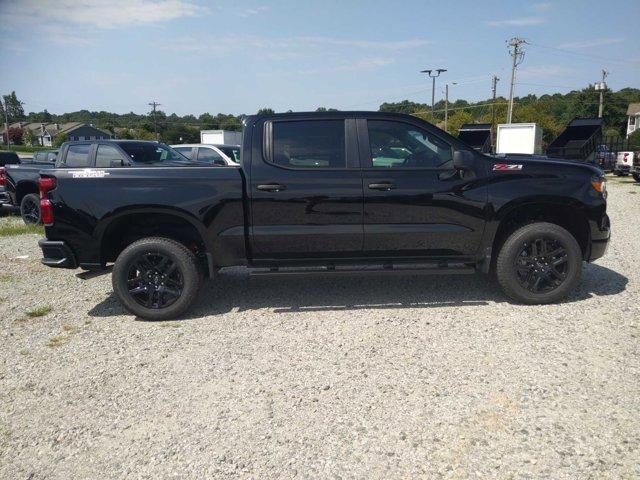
{"x":433,"y":74}
{"x":6,"y":121}
{"x":446,"y":104}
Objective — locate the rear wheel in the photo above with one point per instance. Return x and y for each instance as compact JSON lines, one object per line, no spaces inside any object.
{"x":30,"y":209}
{"x":636,"y":177}
{"x":539,"y":263}
{"x":156,"y":278}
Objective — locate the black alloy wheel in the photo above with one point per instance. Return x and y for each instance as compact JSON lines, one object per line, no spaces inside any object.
{"x":542,"y":265}
{"x":154,"y":281}
{"x":30,"y":209}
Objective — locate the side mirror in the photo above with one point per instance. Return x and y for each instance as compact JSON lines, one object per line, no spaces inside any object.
{"x":116,"y":163}
{"x":463,"y":160}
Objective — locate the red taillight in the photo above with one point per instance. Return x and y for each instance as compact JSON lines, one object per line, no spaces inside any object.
{"x":45,"y":185}
{"x":626,"y":158}
{"x":3,"y":176}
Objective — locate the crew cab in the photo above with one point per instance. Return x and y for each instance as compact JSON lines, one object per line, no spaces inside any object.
{"x":329,"y":193}
{"x":22,"y":180}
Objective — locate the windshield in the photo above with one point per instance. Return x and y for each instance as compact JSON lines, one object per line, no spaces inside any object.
{"x":152,"y":153}
{"x":232,"y":152}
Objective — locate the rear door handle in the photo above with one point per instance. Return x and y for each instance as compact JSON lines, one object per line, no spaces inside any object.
{"x":382,"y":186}
{"x":271,"y":187}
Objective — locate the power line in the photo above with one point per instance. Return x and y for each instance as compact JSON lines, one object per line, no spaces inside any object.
{"x":585,"y":55}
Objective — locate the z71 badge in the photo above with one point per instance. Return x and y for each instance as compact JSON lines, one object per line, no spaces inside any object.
{"x":507,"y":166}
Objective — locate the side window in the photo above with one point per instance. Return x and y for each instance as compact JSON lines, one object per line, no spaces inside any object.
{"x":39,"y":157}
{"x":401,"y":145}
{"x":186,"y":151}
{"x":77,"y":156}
{"x":108,"y":156}
{"x":209,"y":155}
{"x":309,"y":144}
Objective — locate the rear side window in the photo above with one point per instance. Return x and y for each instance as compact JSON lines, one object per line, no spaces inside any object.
{"x":209,"y":155}
{"x":309,"y":144}
{"x":108,"y":156}
{"x":78,"y":156}
{"x":186,"y":151}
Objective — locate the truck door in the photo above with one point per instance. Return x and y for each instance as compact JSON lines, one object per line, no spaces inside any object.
{"x":415,"y":203}
{"x":306,"y":189}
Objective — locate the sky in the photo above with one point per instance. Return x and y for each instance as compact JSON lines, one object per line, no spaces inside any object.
{"x":195,"y":56}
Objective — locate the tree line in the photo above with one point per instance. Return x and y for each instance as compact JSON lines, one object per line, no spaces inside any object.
{"x":551,"y":111}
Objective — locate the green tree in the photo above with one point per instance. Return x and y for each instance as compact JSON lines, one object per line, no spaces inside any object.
{"x":634,"y":140}
{"x":455,"y":121}
{"x":59,"y":139}
{"x":266,"y":111}
{"x":14,"y":109}
{"x":29,"y":137}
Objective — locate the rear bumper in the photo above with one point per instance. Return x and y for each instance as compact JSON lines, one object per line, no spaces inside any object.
{"x":600,"y":239}
{"x":57,"y":254}
{"x":5,"y":198}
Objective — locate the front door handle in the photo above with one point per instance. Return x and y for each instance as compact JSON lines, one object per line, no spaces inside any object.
{"x":271,"y":187}
{"x":382,"y":186}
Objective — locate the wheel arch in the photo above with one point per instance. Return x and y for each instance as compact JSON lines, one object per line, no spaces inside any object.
{"x":565,"y":212}
{"x":25,"y":188}
{"x":123,"y":228}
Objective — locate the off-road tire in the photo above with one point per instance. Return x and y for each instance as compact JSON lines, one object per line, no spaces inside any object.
{"x":636,"y":177}
{"x":30,"y":209}
{"x":506,"y":271}
{"x":185,"y":262}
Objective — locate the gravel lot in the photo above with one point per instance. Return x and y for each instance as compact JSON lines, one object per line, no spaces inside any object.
{"x":333,"y":378}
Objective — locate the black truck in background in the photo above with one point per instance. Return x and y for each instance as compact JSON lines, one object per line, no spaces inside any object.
{"x":329,"y":193}
{"x":20,"y":181}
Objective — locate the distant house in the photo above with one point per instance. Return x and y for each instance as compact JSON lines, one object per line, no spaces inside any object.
{"x":633,"y":122}
{"x":45,"y":132}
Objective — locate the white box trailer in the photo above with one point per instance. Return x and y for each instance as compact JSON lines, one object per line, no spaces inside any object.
{"x":519,"y":138}
{"x":221,"y":137}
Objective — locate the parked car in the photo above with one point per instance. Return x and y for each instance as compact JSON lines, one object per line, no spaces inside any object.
{"x":222,"y":155}
{"x":605,"y":158}
{"x":338,"y":191}
{"x":624,"y":161}
{"x":6,"y":158}
{"x":635,"y":169}
{"x":21,"y":181}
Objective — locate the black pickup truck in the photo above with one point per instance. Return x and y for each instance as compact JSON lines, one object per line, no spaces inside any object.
{"x":329,"y":193}
{"x":21,"y":181}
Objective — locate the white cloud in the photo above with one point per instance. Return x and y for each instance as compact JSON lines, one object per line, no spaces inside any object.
{"x":361,"y":65}
{"x":252,"y":11}
{"x":542,"y":7}
{"x":596,"y":42}
{"x":97,"y":13}
{"x":517,"y":22}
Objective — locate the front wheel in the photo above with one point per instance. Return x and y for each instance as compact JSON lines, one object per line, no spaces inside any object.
{"x":156,"y":278}
{"x":30,"y":209}
{"x":539,"y":263}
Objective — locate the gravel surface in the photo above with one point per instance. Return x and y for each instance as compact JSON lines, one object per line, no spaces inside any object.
{"x":332,"y":378}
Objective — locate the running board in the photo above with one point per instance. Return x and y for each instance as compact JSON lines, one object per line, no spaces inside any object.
{"x":385,"y":270}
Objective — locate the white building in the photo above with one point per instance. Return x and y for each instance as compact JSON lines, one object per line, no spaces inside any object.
{"x":633,"y":122}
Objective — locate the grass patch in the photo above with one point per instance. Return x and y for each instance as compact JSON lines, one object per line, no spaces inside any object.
{"x":10,"y":227}
{"x":171,"y":325}
{"x":24,"y":352}
{"x":70,"y":329}
{"x":6,"y":278}
{"x":40,"y":311}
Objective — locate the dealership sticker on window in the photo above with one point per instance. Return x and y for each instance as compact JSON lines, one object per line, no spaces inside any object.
{"x":88,"y":173}
{"x":506,"y":166}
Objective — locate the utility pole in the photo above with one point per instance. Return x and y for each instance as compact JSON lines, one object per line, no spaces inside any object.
{"x":518,"y":56}
{"x":155,"y":104}
{"x":6,"y":121}
{"x":446,"y":104}
{"x":601,"y":87}
{"x":436,"y":74}
{"x":494,"y":85}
